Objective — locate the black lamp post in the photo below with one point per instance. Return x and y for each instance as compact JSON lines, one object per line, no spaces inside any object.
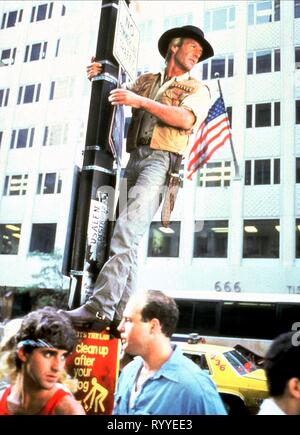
{"x":91,"y":226}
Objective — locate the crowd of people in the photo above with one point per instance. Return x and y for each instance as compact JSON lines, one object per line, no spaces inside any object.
{"x":159,"y":380}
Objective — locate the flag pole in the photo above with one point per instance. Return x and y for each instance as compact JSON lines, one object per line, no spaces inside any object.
{"x":236,"y":166}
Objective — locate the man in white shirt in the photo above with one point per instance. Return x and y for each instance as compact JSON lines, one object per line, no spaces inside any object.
{"x":282,"y":365}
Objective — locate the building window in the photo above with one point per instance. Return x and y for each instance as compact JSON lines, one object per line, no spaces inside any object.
{"x":297,"y":238}
{"x":230,"y":66}
{"x":63,"y":11}
{"x":67,"y":46}
{"x":164,"y":242}
{"x":248,"y":170}
{"x":211,"y":239}
{"x":49,"y":183}
{"x":264,"y":61}
{"x":4,"y":96}
{"x":29,"y":94}
{"x":8,"y":56}
{"x":229,"y":113}
{"x":146,"y":31}
{"x":57,"y":47}
{"x":297,"y":110}
{"x":261,"y":238}
{"x":218,"y":66}
{"x":261,"y":12}
{"x":41,"y":12}
{"x":266,"y":115}
{"x":276,"y":10}
{"x":10,"y":19}
{"x":276,"y":173}
{"x":56,"y":134}
{"x":42,"y":238}
{"x":22,"y":138}
{"x":298,"y":170}
{"x":204,"y":70}
{"x":249,"y":116}
{"x":1,"y":135}
{"x":277,"y":113}
{"x":263,"y":115}
{"x":219,"y":19}
{"x":177,"y":21}
{"x":297,"y":8}
{"x":35,"y":52}
{"x":297,"y":57}
{"x":15,"y":185}
{"x":215,"y":174}
{"x":9,"y":238}
{"x":250,"y":63}
{"x":277,"y":61}
{"x":263,"y":171}
{"x":222,"y":65}
{"x":62,"y":88}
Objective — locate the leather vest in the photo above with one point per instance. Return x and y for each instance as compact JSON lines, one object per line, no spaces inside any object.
{"x":164,"y":137}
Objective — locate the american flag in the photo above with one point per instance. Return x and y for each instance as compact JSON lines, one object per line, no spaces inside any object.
{"x":212,"y":134}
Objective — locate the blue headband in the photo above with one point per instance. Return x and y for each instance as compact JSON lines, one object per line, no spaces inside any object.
{"x":34,"y":343}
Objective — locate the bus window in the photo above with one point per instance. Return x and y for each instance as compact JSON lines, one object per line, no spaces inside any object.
{"x":186,"y":313}
{"x":205,"y":317}
{"x":248,"y":319}
{"x":288,"y":314}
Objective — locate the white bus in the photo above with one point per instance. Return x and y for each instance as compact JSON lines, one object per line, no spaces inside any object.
{"x":247,"y":321}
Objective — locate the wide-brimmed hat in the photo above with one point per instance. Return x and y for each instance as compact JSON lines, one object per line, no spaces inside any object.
{"x":185,"y":32}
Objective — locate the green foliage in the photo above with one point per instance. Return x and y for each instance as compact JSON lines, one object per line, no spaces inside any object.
{"x":50,"y":275}
{"x":49,"y":287}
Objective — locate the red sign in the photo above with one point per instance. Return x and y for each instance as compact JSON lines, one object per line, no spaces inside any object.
{"x":95,"y":364}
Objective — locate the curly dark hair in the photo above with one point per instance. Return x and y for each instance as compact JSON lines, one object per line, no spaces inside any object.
{"x":49,"y":325}
{"x":160,"y":306}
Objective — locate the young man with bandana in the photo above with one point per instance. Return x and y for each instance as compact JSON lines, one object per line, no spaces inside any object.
{"x":34,"y":363}
{"x":166,"y":108}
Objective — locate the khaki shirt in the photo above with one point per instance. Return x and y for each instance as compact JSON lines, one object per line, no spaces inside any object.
{"x":181,"y":91}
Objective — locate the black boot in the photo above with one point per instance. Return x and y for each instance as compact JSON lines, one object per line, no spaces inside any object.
{"x":85,"y":317}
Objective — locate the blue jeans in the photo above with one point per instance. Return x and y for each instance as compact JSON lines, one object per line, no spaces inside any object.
{"x":146,"y":177}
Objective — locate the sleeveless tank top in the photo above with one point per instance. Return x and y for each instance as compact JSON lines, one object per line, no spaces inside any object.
{"x":47,"y":409}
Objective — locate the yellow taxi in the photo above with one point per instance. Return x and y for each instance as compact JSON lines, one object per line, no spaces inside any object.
{"x":240,"y":383}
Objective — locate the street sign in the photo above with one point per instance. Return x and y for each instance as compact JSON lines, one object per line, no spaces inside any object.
{"x":126,"y":43}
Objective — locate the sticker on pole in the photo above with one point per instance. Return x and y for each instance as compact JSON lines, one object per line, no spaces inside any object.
{"x":126,"y":42}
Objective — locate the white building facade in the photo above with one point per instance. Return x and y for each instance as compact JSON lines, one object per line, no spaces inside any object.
{"x":229,"y":233}
{"x":239,"y":234}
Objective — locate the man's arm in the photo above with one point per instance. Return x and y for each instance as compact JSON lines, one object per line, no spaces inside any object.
{"x":175,"y":116}
{"x":68,"y":405}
